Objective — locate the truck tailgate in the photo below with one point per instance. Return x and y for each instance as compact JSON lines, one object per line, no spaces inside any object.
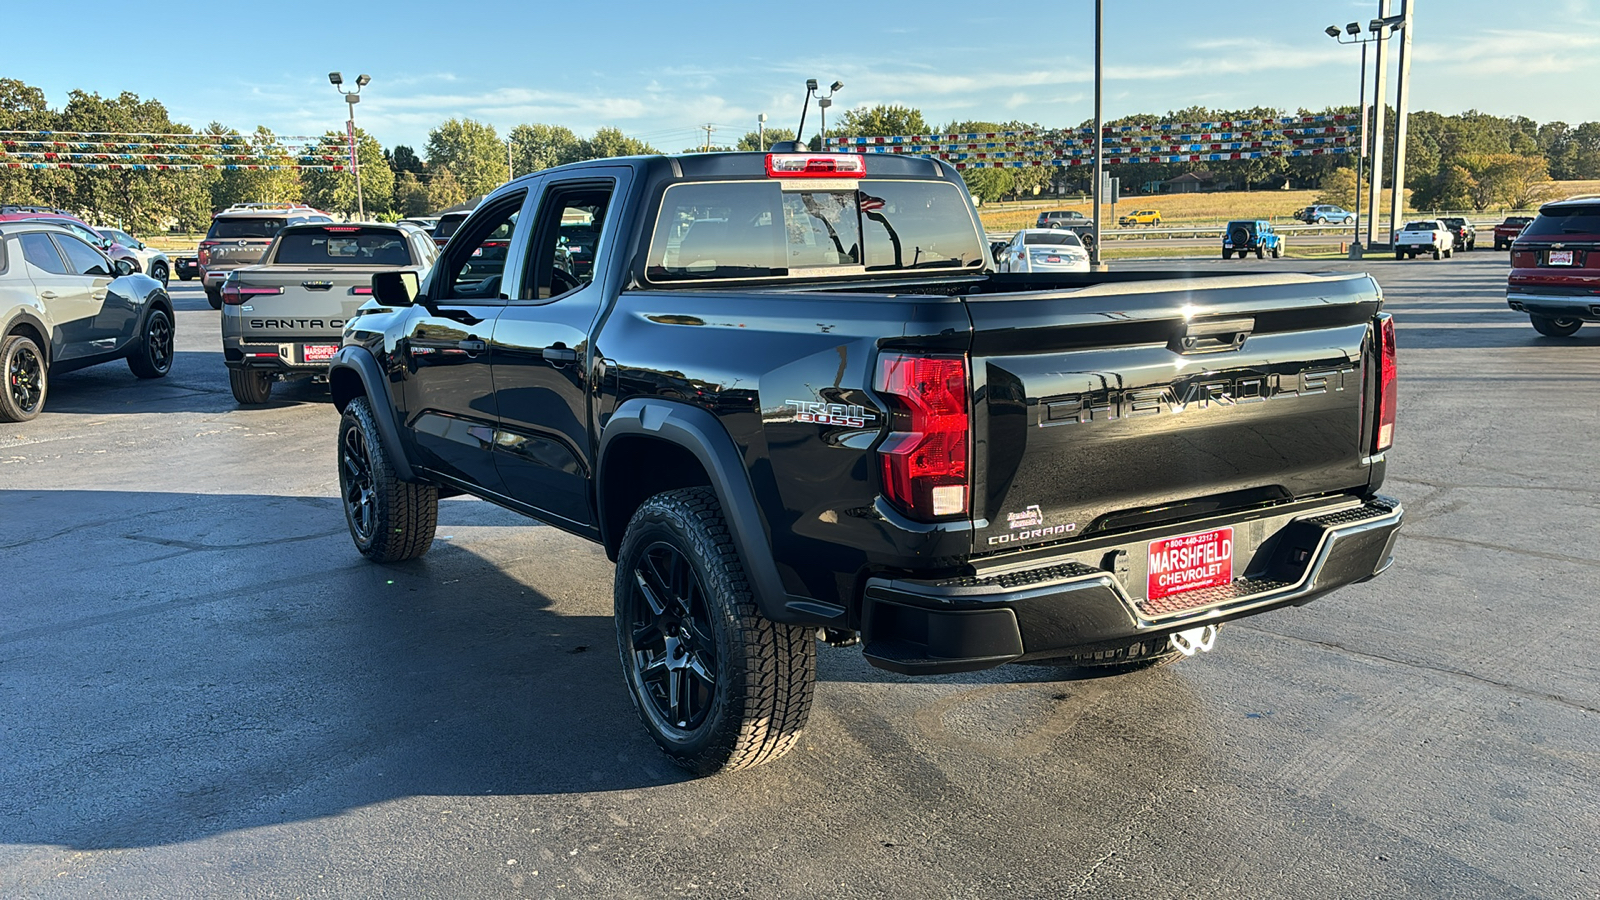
{"x":1153,"y":402}
{"x":306,"y":302}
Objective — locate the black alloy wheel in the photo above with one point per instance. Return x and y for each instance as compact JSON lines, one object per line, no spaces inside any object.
{"x":151,"y":355}
{"x":355,"y":485}
{"x":673,"y":649}
{"x":26,"y":379}
{"x":159,"y":272}
{"x":390,"y":520}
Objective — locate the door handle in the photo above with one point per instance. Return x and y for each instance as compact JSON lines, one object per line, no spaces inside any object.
{"x":98,"y":295}
{"x":560,"y":354}
{"x":47,"y":295}
{"x":472,"y":346}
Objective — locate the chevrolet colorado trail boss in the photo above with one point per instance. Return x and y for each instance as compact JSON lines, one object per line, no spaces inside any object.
{"x":792,"y":400}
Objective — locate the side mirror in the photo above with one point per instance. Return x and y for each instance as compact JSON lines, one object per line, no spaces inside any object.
{"x":395,"y":288}
{"x":123,"y":267}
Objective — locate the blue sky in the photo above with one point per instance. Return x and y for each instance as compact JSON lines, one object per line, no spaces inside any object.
{"x":659,"y":70}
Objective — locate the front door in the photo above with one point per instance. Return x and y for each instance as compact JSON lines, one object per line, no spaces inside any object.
{"x":449,"y":390}
{"x":544,"y":367}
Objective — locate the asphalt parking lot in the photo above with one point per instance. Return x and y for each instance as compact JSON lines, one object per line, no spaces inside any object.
{"x":205,"y":691}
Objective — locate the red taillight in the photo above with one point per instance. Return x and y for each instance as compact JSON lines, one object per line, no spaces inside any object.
{"x":362,"y":291}
{"x":925,"y":457}
{"x":813,"y":165}
{"x":205,"y":252}
{"x":1388,"y":375}
{"x":341,"y":229}
{"x":234,"y":294}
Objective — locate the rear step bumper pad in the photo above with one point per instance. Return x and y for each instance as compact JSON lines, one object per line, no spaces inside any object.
{"x":1065,"y":606}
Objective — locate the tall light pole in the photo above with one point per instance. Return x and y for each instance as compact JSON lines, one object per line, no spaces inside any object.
{"x":822,"y":104}
{"x":1378,"y":30}
{"x":511,"y":170}
{"x":811,"y":88}
{"x":1402,"y":100}
{"x":351,"y":98}
{"x":1099,"y":124}
{"x":761,"y":132}
{"x":1379,"y":92}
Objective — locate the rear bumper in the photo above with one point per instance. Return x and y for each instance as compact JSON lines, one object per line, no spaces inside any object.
{"x":1557,"y":306}
{"x":1093,"y":599}
{"x":284,"y":356}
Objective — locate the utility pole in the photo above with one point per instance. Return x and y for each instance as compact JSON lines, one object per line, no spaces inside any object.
{"x":511,"y":171}
{"x":1379,"y":93}
{"x":1402,"y":97}
{"x":709,"y":128}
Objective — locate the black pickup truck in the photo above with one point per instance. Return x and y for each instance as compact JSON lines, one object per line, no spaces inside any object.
{"x":794,"y":403}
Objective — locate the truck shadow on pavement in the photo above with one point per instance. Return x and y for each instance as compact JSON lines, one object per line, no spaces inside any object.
{"x":184,"y":665}
{"x":198,"y":383}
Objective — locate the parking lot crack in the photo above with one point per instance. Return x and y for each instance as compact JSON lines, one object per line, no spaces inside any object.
{"x":1413,"y":664}
{"x":191,"y":546}
{"x":1484,"y":545}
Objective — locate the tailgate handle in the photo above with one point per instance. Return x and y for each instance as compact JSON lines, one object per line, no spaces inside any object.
{"x":1213,"y":335}
{"x":317,"y":285}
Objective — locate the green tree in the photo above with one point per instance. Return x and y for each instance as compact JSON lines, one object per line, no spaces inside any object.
{"x":1338,"y":188}
{"x":538,"y":146}
{"x":610,"y":142}
{"x":883,"y":120}
{"x":988,"y":185}
{"x":444,"y":191}
{"x":471,"y":152}
{"x":411,"y":196}
{"x":277,"y":182}
{"x":143,"y":200}
{"x":404,"y":159}
{"x":335,"y":191}
{"x":752,"y":139}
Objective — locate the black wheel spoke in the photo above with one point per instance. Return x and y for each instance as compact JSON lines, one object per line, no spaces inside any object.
{"x":670,"y":632}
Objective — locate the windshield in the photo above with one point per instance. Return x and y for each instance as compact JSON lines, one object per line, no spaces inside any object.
{"x":1583,"y":219}
{"x":341,"y":247}
{"x":245,"y":227}
{"x":1061,"y":238}
{"x":756,"y":229}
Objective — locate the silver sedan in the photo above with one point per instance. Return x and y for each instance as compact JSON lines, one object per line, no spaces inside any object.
{"x":1043,"y":250}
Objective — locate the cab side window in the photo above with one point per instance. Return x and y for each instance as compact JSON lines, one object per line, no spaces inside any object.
{"x":561,"y":257}
{"x":39,"y":250}
{"x":82,"y":259}
{"x":476,"y":266}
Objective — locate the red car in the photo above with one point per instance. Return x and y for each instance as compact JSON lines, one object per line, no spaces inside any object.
{"x":1555,"y":267}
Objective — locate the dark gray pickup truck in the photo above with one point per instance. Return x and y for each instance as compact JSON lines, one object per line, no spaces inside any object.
{"x":792,"y":400}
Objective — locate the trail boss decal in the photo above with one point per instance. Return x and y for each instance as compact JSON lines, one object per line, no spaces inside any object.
{"x":841,"y":414}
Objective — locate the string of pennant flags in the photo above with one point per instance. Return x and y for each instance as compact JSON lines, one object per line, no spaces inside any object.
{"x":122,"y":151}
{"x":1175,"y":142}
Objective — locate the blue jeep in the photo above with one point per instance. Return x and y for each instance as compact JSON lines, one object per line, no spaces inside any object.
{"x":1251,"y":234}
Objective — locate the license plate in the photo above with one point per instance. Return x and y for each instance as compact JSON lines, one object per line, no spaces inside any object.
{"x":318,"y":352}
{"x":1559,"y":258}
{"x":1191,"y":562}
{"x":1052,"y":259}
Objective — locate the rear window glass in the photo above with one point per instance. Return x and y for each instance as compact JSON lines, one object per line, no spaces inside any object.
{"x":243,"y":227}
{"x":448,"y":225}
{"x":1567,"y":220}
{"x":1064,"y":238}
{"x":757,"y":229}
{"x":1420,"y":226}
{"x":323,"y":248}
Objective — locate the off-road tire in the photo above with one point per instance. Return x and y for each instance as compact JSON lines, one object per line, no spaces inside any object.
{"x":1399,"y":254}
{"x":1153,"y":653}
{"x":24,"y":378}
{"x":151,"y":355}
{"x":1437,"y":253}
{"x":1227,"y":254}
{"x":1261,"y":253}
{"x":764,"y":672}
{"x":1551,"y":327}
{"x":390,"y":520}
{"x":214,"y":298}
{"x":1277,"y":250}
{"x":1450,"y":253}
{"x":251,"y":387}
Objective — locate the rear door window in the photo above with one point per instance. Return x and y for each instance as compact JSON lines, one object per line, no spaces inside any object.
{"x":38,"y":249}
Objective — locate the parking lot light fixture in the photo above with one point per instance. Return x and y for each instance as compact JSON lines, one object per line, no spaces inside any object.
{"x":811,"y":88}
{"x":1333,"y":31}
{"x":351,"y":98}
{"x":823,"y":102}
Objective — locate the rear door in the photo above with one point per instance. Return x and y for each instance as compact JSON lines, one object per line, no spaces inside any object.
{"x":449,"y":389}
{"x":1130,"y":404}
{"x":69,"y":297}
{"x":543,"y":363}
